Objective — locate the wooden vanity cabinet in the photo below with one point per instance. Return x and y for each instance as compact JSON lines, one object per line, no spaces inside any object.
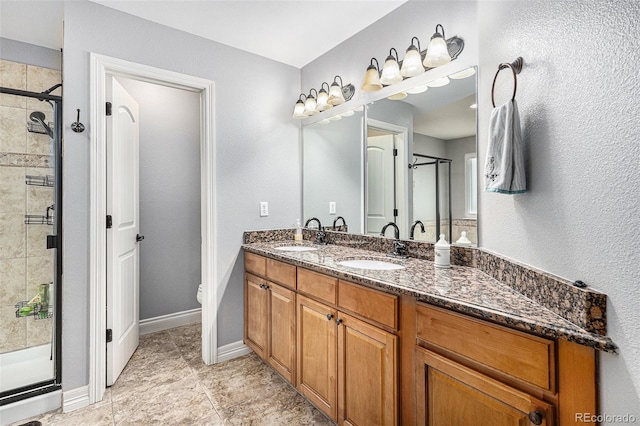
{"x":347,"y":366}
{"x":270,"y":323}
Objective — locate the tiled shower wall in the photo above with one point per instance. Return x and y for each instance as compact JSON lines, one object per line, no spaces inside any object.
{"x":25,"y":263}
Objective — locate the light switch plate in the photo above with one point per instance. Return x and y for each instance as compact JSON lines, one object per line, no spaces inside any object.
{"x":264,"y":208}
{"x":332,"y":207}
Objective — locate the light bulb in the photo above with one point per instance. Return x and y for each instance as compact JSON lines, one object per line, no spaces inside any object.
{"x":412,"y":63}
{"x":335,"y":94}
{"x":298,"y":110}
{"x":437,"y":51}
{"x":390,"y":72}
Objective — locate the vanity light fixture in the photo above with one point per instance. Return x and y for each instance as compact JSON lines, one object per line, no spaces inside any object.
{"x":335,"y":118}
{"x":463,"y":74}
{"x":418,"y":89}
{"x":371,"y":81}
{"x":397,"y":96}
{"x":298,"y":110}
{"x":439,"y":82}
{"x":391,"y":69}
{"x":347,"y":113}
{"x":412,"y":62}
{"x":336,"y":97}
{"x":473,"y":106}
{"x":323,"y":98}
{"x":310,"y":103}
{"x":437,"y":51}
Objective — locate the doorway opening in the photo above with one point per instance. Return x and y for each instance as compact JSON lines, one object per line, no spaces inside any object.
{"x":104,"y":71}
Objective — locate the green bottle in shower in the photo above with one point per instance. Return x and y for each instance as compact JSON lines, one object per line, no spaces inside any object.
{"x":43,"y":312}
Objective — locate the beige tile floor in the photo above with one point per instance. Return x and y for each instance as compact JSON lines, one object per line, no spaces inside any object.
{"x":166,"y":383}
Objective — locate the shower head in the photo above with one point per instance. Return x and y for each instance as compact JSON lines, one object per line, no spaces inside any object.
{"x":39,"y":117}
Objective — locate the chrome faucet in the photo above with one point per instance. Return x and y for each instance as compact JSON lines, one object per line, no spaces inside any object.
{"x":336,"y":221}
{"x":413,"y":228}
{"x":399,"y":248}
{"x":395,"y":228}
{"x":320,"y":235}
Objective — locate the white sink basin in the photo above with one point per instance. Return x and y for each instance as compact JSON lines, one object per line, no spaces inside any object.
{"x":296,"y":248}
{"x":378,"y":265}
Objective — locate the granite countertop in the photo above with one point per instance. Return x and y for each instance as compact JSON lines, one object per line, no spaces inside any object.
{"x":461,"y":289}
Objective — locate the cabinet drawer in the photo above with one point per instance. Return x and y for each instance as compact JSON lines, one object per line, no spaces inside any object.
{"x":281,"y":273}
{"x":372,"y":304}
{"x":318,"y":285}
{"x":528,"y":358}
{"x":255,"y":264}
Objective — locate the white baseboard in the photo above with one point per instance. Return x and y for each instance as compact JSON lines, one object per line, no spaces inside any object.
{"x":165,"y":322}
{"x":75,"y":399}
{"x":30,"y":407}
{"x":232,"y":350}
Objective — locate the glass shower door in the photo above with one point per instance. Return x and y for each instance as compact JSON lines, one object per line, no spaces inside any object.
{"x":29,"y":191}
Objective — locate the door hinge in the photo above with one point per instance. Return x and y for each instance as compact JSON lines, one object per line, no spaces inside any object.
{"x":109,"y":335}
{"x":52,"y":241}
{"x":395,"y":212}
{"x":395,"y":152}
{"x":109,"y":221}
{"x":108,"y":108}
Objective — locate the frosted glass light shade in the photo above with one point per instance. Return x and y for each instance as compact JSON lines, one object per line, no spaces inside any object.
{"x":418,"y":89}
{"x":371,"y":81}
{"x":398,"y":96}
{"x":335,"y":94}
{"x":322,"y":104}
{"x":347,"y":113}
{"x":335,"y":118}
{"x":298,"y":110}
{"x":412,"y":63}
{"x":463,"y":74}
{"x":310,"y":106}
{"x":390,"y":72}
{"x":437,"y":52}
{"x":439,"y":82}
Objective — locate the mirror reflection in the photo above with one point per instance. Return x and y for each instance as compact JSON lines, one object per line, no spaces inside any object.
{"x":413,"y":163}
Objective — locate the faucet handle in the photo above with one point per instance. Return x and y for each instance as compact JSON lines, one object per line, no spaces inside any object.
{"x":399,"y":248}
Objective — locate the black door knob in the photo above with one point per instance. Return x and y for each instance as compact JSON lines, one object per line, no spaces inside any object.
{"x":139,"y":237}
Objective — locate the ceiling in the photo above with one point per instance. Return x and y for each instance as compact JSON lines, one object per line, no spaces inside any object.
{"x":294,"y":32}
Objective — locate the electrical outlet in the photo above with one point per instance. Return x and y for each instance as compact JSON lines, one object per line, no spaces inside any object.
{"x":264,"y":209}
{"x":332,"y":207}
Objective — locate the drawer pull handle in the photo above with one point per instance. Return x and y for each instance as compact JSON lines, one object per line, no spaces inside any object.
{"x":329,"y":317}
{"x":339,"y":321}
{"x":535,"y":417}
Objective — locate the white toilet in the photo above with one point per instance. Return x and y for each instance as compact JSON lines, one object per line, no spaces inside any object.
{"x":199,"y":294}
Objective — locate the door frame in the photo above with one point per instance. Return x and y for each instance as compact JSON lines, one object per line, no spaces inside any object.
{"x":401,"y":187}
{"x":100,"y":66}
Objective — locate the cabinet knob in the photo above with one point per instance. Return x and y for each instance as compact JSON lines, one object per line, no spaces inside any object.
{"x":535,"y":417}
{"x":339,"y":321}
{"x":261,"y":285}
{"x":266,"y":287}
{"x":329,"y":317}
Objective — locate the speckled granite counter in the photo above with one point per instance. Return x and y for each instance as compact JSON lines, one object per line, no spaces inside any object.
{"x":461,"y":288}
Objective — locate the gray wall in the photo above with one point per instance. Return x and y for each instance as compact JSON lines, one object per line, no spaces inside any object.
{"x":332,"y":171}
{"x":456,"y":150}
{"x":257,"y":154}
{"x":579,"y":114}
{"x":25,"y":53}
{"x":169,"y":197}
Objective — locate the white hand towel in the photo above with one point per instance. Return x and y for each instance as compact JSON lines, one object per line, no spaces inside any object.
{"x":504,"y":168}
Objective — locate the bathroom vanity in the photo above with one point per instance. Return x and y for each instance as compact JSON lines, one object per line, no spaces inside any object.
{"x":409,"y":344}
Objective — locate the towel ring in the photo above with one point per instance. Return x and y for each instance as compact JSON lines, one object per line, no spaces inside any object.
{"x":516,"y":67}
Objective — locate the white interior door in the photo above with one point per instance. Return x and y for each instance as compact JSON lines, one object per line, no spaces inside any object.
{"x":123,"y":253}
{"x":380,"y":182}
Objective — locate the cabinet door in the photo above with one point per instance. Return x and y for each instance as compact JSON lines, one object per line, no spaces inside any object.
{"x":317,"y":354}
{"x":367,"y":374}
{"x":449,"y":394}
{"x":282,"y":331}
{"x":255,"y":314}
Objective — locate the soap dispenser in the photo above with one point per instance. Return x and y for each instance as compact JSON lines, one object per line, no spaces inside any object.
{"x":297,"y":236}
{"x":442,"y":253}
{"x":463,"y":240}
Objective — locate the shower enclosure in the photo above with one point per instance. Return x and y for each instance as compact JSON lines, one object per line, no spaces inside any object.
{"x":432,"y":196}
{"x":30,"y":243}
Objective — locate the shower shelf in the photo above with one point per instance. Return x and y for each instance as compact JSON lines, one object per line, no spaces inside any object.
{"x":35,"y":219}
{"x":35,"y":310}
{"x":40,"y":180}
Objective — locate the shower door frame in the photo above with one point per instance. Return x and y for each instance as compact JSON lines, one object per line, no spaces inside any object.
{"x":53,"y":384}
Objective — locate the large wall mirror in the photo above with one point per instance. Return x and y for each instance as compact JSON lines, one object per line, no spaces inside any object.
{"x":410,"y":157}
